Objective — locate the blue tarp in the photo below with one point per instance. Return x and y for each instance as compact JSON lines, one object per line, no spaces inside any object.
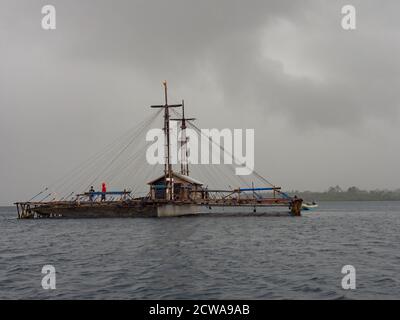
{"x":256,"y":189}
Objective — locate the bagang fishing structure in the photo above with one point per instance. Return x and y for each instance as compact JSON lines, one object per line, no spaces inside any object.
{"x":173,"y":193}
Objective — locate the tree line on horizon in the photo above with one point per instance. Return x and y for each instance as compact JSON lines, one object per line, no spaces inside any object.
{"x":353,"y":193}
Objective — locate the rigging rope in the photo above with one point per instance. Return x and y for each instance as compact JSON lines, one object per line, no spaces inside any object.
{"x":67,"y":181}
{"x":255,"y":173}
{"x":117,"y":168}
{"x":95,"y":156}
{"x":122,"y":151}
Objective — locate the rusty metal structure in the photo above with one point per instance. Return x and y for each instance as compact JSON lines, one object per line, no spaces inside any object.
{"x":172,"y":194}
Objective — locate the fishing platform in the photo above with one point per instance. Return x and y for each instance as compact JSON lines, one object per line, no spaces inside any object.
{"x":173,"y":193}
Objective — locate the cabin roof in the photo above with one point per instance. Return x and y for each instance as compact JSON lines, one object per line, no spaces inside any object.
{"x":180,"y":176}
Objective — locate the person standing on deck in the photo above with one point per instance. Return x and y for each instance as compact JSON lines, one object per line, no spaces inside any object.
{"x":103,"y":190}
{"x":91,"y":193}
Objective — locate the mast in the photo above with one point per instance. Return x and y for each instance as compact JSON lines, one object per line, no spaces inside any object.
{"x":184,"y":141}
{"x":168,"y":168}
{"x":167,"y":164}
{"x":184,"y":164}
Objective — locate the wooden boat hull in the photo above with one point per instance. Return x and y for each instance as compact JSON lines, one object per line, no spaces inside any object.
{"x":96,"y":210}
{"x":140,"y":209}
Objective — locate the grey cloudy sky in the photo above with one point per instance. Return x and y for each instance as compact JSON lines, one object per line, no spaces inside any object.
{"x":324,"y":102}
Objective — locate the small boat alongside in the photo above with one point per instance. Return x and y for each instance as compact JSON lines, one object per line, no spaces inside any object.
{"x":309,"y":205}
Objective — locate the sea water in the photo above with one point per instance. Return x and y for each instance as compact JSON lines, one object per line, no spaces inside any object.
{"x":204,"y":257}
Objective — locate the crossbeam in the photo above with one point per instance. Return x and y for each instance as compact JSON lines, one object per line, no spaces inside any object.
{"x":168,"y":106}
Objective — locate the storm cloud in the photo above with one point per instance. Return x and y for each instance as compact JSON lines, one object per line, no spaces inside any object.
{"x":324,"y":101}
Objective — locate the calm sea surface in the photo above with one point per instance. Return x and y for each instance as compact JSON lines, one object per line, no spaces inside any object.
{"x":206,"y":257}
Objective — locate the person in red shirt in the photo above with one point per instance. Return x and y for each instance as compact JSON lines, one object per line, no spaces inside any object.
{"x":104,"y":190}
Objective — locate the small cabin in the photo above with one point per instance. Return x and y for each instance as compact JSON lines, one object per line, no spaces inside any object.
{"x":185,"y":188}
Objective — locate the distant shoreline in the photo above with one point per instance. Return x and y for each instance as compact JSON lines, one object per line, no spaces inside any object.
{"x":316,"y":198}
{"x":351,"y":194}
